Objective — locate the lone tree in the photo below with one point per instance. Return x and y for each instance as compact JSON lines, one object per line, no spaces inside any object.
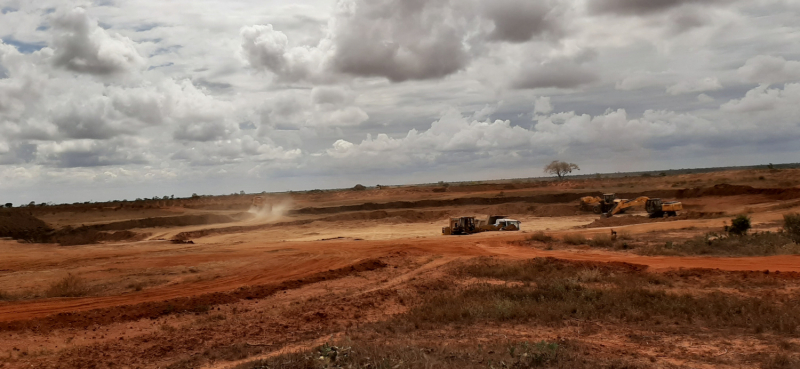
{"x":560,"y":168}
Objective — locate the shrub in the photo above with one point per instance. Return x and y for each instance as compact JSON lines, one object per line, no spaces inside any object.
{"x":602,"y":240}
{"x":540,"y":236}
{"x":791,"y":224}
{"x":739,"y":225}
{"x":359,"y":187}
{"x":574,"y":239}
{"x":69,"y":286}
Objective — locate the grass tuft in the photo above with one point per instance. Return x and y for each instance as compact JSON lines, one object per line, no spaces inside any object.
{"x":602,"y":240}
{"x":520,"y":355}
{"x":540,"y":236}
{"x":69,"y":286}
{"x":574,"y":239}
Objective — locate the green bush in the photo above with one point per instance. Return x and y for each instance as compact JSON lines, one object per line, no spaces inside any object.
{"x":791,"y":224}
{"x":739,"y":225}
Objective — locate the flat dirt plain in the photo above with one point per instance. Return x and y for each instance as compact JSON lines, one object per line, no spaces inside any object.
{"x":364,"y":279}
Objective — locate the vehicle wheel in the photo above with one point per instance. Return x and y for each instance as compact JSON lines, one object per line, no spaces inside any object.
{"x":596,"y":209}
{"x":672,"y":213}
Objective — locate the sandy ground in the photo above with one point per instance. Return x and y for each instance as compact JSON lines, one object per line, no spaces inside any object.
{"x":260,"y":251}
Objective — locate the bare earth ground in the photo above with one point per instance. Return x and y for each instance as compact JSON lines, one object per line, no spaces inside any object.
{"x":368,"y":269}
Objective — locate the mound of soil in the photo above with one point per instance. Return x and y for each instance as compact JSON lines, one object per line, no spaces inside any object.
{"x":166,"y":222}
{"x":79,"y":236}
{"x":25,"y":227}
{"x":555,"y":210}
{"x":21,"y":226}
{"x":618,"y":221}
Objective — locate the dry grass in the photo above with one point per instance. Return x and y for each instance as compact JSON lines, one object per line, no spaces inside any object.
{"x":518,"y":355}
{"x":223,"y":353}
{"x":757,"y":244}
{"x":791,"y":225}
{"x":69,"y":286}
{"x":540,"y":236}
{"x":557,"y":291}
{"x":602,"y":240}
{"x":556,"y":302}
{"x":574,"y":239}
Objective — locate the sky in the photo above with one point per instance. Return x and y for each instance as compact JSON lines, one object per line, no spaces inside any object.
{"x":121,"y":99}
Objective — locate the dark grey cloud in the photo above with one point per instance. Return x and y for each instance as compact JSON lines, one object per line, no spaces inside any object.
{"x":516,"y":21}
{"x":91,"y":123}
{"x":554,"y":74}
{"x":146,"y":27}
{"x":214,"y":86}
{"x":19,"y":153}
{"x":161,"y":66}
{"x":93,"y":155}
{"x":400,"y":40}
{"x":83,"y":47}
{"x":687,"y":20}
{"x":642,"y":7}
{"x":329,"y":95}
{"x":142,"y":105}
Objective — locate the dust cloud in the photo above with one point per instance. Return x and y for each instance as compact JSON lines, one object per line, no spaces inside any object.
{"x":272,"y":210}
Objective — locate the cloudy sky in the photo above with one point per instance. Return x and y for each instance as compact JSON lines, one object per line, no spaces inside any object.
{"x":118,"y":99}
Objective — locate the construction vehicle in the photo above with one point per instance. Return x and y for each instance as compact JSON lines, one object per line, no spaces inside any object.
{"x":260,"y":203}
{"x":461,"y":225}
{"x":655,"y":207}
{"x":469,"y":225}
{"x":507,"y":224}
{"x":491,"y":220}
{"x":599,"y":205}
